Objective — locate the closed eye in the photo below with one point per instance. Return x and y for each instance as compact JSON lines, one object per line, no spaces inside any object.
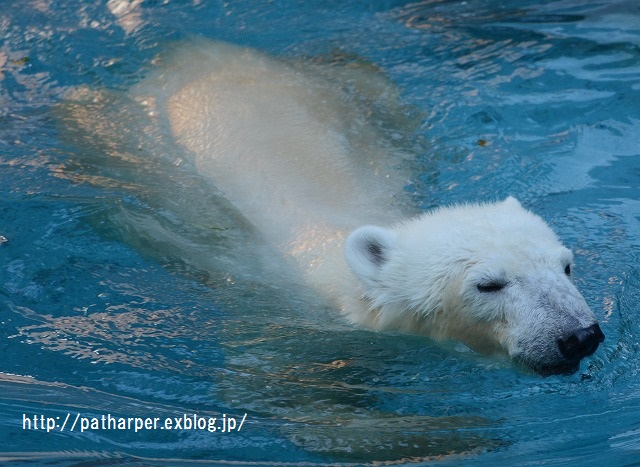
{"x":489,"y":287}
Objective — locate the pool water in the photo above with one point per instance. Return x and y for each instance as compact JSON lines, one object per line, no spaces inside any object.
{"x":102,"y":316}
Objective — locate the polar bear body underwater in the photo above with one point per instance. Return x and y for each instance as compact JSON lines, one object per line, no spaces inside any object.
{"x":298,"y":158}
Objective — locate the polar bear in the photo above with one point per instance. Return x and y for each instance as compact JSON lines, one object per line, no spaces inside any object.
{"x":298,"y":157}
{"x":493,"y":276}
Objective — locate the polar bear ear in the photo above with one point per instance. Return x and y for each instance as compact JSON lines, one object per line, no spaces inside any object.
{"x":510,"y":200}
{"x":367,"y":249}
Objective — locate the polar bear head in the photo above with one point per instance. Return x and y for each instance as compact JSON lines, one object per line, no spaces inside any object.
{"x":493,"y":276}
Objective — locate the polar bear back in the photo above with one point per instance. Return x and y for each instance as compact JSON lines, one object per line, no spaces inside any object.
{"x":288,"y":149}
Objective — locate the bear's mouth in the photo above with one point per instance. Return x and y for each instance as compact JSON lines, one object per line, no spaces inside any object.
{"x":563,"y":369}
{"x":569,"y":352}
{"x":549,"y":369}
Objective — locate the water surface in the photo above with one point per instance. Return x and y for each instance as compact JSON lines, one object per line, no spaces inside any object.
{"x":101,"y":314}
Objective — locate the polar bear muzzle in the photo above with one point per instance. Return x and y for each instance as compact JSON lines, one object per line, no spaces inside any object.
{"x":574,"y":347}
{"x":581,"y":343}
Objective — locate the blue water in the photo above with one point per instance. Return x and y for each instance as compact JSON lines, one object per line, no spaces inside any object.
{"x":540,"y":100}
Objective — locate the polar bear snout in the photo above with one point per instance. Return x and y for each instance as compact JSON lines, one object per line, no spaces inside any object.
{"x":581,"y":342}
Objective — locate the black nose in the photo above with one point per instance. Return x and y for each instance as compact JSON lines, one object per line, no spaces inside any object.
{"x":581,"y":343}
